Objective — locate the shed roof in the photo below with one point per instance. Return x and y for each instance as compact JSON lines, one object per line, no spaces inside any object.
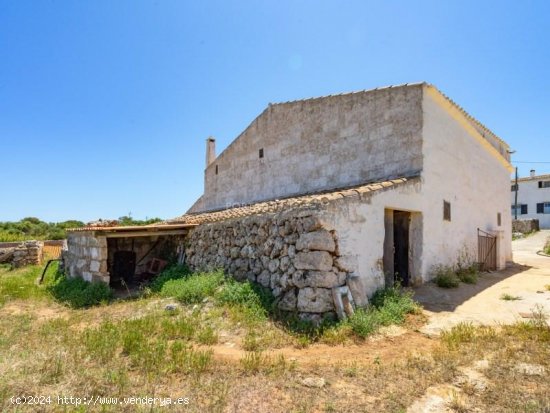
{"x":278,"y":205}
{"x":136,"y":230}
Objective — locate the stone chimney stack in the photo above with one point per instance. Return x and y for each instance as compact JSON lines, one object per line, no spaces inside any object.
{"x":210,"y":150}
{"x":532,"y":173}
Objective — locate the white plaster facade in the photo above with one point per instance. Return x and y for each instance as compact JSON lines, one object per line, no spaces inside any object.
{"x":532,"y":192}
{"x":341,"y":141}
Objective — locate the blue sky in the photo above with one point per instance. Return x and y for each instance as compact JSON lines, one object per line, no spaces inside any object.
{"x":105,"y":105}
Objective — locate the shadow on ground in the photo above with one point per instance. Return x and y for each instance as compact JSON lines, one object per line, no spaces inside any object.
{"x":436,"y":299}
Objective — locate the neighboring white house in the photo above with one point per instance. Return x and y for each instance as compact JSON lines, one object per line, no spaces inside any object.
{"x":533,"y":198}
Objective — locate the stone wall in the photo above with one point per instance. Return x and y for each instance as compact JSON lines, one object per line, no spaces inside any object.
{"x":21,"y":254}
{"x":86,"y":256}
{"x":525,"y":226}
{"x":293,"y":253}
{"x":319,"y":144}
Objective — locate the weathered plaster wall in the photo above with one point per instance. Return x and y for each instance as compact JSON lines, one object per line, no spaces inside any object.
{"x":360,"y":228}
{"x":294,"y":253}
{"x":530,"y":194}
{"x":86,"y":256}
{"x":319,"y":144}
{"x":461,"y":168}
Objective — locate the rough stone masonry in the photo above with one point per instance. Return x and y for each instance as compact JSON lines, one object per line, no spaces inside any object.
{"x":292,"y":253}
{"x":25,"y":253}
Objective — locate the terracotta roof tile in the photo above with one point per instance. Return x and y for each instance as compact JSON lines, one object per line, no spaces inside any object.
{"x":282,"y":204}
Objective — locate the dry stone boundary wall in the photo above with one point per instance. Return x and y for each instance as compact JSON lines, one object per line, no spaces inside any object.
{"x":525,"y":226}
{"x":24,"y":253}
{"x":293,"y":253}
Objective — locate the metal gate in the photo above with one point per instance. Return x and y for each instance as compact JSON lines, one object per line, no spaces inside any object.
{"x":486,"y":250}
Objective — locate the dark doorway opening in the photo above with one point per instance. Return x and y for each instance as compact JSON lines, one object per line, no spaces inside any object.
{"x":124,"y":267}
{"x":401,"y":225}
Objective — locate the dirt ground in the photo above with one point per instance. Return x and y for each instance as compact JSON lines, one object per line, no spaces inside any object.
{"x":406,"y":368}
{"x":481,"y":303}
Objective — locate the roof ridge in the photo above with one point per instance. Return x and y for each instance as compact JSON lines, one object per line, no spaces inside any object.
{"x":529,"y":178}
{"x":467,"y":115}
{"x":348,"y":93}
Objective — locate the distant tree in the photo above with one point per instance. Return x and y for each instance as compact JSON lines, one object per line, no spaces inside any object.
{"x":33,"y":228}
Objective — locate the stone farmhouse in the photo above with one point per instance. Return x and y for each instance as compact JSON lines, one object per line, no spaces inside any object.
{"x":533,"y":199}
{"x":325,"y":200}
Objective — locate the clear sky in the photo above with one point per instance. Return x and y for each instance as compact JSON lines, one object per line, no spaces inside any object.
{"x":105,"y":105}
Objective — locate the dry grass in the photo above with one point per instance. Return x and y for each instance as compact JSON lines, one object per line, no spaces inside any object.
{"x":225,"y":362}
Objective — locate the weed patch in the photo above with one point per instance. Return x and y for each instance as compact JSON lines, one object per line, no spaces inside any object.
{"x":389,"y":306}
{"x":194,"y":288}
{"x":78,"y":293}
{"x":446,"y":278}
{"x":175,"y":272}
{"x":509,"y":297}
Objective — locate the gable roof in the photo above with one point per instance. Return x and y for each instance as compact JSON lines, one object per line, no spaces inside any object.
{"x":277,"y":205}
{"x":484,"y":131}
{"x":476,"y":123}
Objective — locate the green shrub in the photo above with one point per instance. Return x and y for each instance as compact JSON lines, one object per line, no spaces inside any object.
{"x":388,"y":306}
{"x":446,"y":278}
{"x":364,"y":322}
{"x":469,"y":274}
{"x":194,"y":288}
{"x":78,"y":293}
{"x":234,"y":292}
{"x":175,"y":272}
{"x":380,"y":296}
{"x":255,"y":301}
{"x":468,"y":277}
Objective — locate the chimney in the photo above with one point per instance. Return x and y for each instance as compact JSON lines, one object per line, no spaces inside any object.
{"x":210,"y":151}
{"x":532,"y":173}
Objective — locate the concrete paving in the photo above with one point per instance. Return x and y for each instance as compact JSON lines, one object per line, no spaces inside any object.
{"x":527,"y":279}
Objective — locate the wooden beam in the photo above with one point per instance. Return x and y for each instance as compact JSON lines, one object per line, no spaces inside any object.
{"x":142,"y":233}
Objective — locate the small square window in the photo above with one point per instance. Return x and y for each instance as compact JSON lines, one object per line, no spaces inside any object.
{"x":446,"y":211}
{"x":521,"y":210}
{"x":543,"y":208}
{"x":216,"y":169}
{"x":261,"y":153}
{"x":514,"y":188}
{"x":499,"y":219}
{"x":524,"y":209}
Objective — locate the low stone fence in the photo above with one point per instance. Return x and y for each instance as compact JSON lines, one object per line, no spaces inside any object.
{"x":24,"y":253}
{"x":292,"y":253}
{"x":525,"y":226}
